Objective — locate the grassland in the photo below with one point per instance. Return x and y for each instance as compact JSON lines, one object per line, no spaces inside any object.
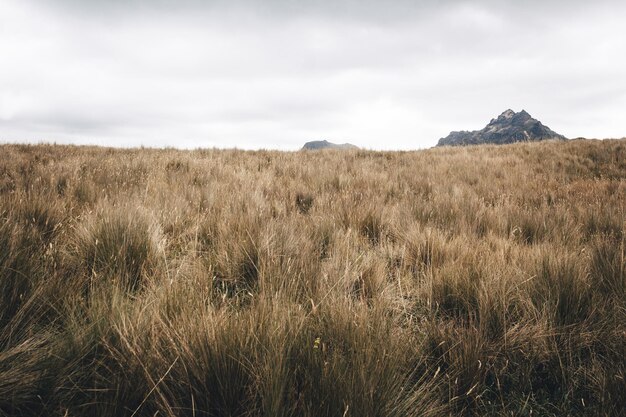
{"x":471,"y":281}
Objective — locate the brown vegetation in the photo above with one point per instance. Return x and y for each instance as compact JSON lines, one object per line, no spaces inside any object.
{"x":472,"y":281}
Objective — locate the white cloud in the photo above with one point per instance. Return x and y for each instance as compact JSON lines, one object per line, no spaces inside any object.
{"x":263,"y":75}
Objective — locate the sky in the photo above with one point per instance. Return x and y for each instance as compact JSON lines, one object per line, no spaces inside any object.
{"x":274,"y":74}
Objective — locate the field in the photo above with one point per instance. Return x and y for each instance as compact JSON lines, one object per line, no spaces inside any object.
{"x":485,"y":280}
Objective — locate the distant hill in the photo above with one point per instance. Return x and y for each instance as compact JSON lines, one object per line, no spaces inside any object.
{"x":324,"y":144}
{"x":509,"y":127}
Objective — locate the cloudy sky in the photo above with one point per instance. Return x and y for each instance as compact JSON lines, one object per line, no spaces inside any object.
{"x":276,"y":73}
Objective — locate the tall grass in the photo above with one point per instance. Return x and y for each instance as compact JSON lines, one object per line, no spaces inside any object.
{"x":487,"y":280}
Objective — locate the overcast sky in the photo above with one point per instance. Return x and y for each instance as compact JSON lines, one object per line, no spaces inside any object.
{"x":276,"y":73}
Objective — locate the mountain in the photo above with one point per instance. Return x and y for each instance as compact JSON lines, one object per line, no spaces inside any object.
{"x":324,"y":144}
{"x":509,"y":127}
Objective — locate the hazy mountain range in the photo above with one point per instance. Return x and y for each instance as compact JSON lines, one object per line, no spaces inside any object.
{"x":508,"y":127}
{"x":324,"y":144}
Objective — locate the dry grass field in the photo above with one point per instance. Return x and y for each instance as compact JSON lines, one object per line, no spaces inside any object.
{"x":469,"y":281}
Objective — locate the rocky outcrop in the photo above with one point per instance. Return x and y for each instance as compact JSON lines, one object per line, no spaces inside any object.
{"x":509,"y":127}
{"x":324,"y":144}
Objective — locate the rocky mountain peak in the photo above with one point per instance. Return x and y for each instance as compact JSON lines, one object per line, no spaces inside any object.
{"x":508,"y":127}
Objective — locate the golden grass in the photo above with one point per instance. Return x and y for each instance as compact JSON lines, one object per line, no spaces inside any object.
{"x":469,"y":281}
